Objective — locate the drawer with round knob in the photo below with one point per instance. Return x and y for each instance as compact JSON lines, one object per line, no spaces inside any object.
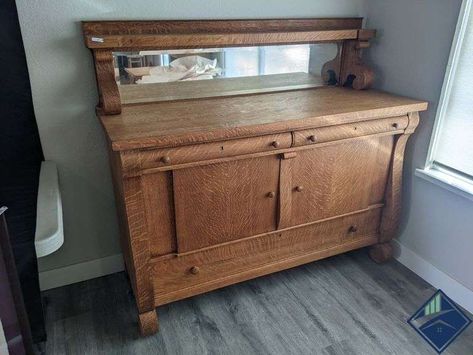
{"x":137,"y":160}
{"x":185,"y":274}
{"x":392,"y":125}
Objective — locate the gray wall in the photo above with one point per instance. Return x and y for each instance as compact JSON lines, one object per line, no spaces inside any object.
{"x":64,"y":95}
{"x":411,"y":53}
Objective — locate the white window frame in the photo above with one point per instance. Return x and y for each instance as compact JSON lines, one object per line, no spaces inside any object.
{"x":433,"y":171}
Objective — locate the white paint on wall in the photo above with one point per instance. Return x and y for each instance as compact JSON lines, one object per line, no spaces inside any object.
{"x":65,"y":95}
{"x":411,"y":53}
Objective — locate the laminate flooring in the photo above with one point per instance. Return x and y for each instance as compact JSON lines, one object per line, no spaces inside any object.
{"x":341,"y":305}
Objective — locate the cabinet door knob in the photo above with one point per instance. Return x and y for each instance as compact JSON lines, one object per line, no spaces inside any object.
{"x":395,"y":125}
{"x":276,"y":144}
{"x":271,"y":194}
{"x":194,"y":270}
{"x":313,"y":138}
{"x":353,"y":229}
{"x":166,"y":159}
{"x":299,"y":188}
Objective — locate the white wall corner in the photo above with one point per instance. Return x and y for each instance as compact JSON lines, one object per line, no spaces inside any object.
{"x":80,"y":272}
{"x":459,"y":293}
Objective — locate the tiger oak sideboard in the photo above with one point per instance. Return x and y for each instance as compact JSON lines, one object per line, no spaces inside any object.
{"x":223,"y":180}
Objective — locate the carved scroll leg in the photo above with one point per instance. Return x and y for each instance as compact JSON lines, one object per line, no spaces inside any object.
{"x":148,"y":322}
{"x":353,"y":72}
{"x":137,"y":247}
{"x":391,"y":215}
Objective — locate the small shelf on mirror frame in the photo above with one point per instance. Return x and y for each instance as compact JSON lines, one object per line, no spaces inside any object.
{"x":147,"y":93}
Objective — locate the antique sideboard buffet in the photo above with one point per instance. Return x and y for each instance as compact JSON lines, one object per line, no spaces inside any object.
{"x":223,"y":180}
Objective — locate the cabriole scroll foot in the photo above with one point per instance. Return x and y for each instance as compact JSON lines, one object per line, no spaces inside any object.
{"x":380,"y":253}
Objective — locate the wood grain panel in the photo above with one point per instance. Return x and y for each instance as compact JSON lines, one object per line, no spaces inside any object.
{"x":134,"y":161}
{"x":206,"y":40}
{"x":285,"y":190}
{"x":339,"y":178}
{"x":178,"y":123}
{"x":159,"y":207}
{"x":392,"y":212}
{"x":136,"y":94}
{"x":354,"y":73}
{"x":218,"y":26}
{"x":109,"y":96}
{"x":221,"y":202}
{"x":139,"y":242}
{"x":184,"y":276}
{"x":359,"y":129}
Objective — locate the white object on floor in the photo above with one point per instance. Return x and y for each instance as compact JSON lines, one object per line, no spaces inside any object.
{"x":49,"y":235}
{"x":3,"y":341}
{"x":80,"y":272}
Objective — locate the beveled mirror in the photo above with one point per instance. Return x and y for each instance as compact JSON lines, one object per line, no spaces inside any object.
{"x":150,"y":61}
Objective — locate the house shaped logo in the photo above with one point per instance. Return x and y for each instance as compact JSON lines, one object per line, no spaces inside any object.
{"x":439,"y":321}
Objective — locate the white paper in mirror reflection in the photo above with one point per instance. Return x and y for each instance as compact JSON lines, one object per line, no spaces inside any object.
{"x":147,"y":76}
{"x":193,"y":67}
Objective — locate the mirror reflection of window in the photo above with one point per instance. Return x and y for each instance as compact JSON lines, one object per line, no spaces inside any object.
{"x":284,"y":59}
{"x":241,"y":61}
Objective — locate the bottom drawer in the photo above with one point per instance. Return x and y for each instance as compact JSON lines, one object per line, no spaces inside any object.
{"x":177,"y":277}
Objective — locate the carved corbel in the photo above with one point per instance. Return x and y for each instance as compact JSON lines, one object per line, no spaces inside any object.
{"x":353,"y":73}
{"x":331,"y":69}
{"x":109,"y":96}
{"x":391,"y":214}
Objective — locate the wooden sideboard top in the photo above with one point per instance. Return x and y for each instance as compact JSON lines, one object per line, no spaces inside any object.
{"x":183,"y":122}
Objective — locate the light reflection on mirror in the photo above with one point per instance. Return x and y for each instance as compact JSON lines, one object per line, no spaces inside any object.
{"x":279,"y":67}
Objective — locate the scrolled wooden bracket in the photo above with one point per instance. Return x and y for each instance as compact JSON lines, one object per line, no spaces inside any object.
{"x":353,"y":73}
{"x":109,"y":96}
{"x":331,"y":70}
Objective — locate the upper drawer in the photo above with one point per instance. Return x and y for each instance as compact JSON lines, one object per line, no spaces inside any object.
{"x":352,"y":130}
{"x":134,"y":161}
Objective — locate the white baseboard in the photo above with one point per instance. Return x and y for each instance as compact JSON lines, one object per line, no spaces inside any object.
{"x":111,"y":264}
{"x":455,"y":290}
{"x":80,"y":272}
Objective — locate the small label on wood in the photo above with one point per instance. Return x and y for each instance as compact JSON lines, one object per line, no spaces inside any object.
{"x":97,"y":39}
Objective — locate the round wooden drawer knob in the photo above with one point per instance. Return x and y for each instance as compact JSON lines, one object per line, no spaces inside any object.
{"x":395,"y":125}
{"x":313,"y":138}
{"x":353,"y":229}
{"x":299,"y":188}
{"x":194,"y":270}
{"x":166,"y":159}
{"x":271,"y":194}
{"x":276,"y":144}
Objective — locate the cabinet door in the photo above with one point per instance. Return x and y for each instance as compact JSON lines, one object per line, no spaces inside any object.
{"x":221,"y":202}
{"x":332,"y":180}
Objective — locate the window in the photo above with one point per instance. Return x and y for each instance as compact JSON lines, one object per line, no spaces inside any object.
{"x":450,"y":157}
{"x":265,"y":60}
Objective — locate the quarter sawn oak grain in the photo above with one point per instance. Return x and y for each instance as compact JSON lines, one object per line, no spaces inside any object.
{"x":219,"y":190}
{"x":177,"y":123}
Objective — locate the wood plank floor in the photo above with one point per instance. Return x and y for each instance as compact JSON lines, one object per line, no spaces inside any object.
{"x":342,"y":305}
